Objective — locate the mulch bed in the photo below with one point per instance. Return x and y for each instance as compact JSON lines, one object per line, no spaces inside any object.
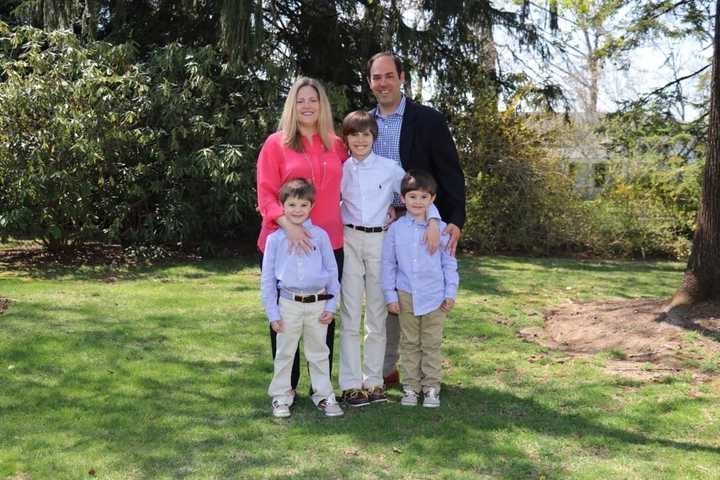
{"x":644,"y":341}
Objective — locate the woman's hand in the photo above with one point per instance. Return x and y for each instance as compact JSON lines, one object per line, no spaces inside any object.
{"x":299,"y":240}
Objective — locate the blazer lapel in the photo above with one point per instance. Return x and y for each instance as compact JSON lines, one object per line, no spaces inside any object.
{"x":407,"y":133}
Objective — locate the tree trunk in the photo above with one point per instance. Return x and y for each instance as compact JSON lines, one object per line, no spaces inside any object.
{"x":58,"y":14}
{"x":89,"y":21}
{"x":702,"y":276}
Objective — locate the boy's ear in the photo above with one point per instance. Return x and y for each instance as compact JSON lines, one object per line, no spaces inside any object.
{"x":402,"y":199}
{"x":433,"y":197}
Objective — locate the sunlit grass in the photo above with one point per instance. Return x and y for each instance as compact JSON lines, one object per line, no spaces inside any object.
{"x":162,"y":373}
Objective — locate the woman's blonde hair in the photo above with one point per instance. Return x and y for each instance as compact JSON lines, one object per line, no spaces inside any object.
{"x":289,"y":119}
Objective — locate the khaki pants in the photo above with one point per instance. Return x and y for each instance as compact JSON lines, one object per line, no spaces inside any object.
{"x":301,"y":320}
{"x":420,"y":346}
{"x":361,"y":280}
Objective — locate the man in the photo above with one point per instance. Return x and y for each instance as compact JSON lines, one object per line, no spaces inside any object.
{"x":418,"y":137}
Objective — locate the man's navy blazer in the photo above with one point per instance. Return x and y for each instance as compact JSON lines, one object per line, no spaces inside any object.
{"x":426,"y":144}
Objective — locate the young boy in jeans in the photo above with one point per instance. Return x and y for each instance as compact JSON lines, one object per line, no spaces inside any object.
{"x":420,"y":288}
{"x":367,"y":187}
{"x":308,"y":287}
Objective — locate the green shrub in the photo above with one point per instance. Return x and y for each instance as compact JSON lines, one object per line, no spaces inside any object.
{"x":98,"y":144}
{"x":69,"y":134}
{"x":519,"y":198}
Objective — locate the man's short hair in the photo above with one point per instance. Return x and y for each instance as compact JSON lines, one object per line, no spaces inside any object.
{"x":396,"y":59}
{"x":297,"y":188}
{"x":359,"y":121}
{"x":418,"y":180}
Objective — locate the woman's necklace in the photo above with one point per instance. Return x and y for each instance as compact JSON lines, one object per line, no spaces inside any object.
{"x":312,"y":171}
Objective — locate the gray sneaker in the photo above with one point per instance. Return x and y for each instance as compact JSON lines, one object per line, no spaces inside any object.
{"x":330,"y":407}
{"x":280,"y":409}
{"x":431,"y":398}
{"x":409,"y":398}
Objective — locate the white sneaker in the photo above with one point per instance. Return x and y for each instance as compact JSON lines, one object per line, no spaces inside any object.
{"x":280,"y":409}
{"x":330,"y":407}
{"x":431,"y":398}
{"x":409,"y":398}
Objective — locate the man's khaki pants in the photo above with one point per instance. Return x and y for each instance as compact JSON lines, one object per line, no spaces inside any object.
{"x":361,"y":279}
{"x":301,"y":320}
{"x":420,"y":347}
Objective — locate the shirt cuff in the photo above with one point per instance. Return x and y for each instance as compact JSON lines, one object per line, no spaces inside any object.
{"x":273,"y":314}
{"x":391,"y":296}
{"x":331,"y":305}
{"x":451,"y":292}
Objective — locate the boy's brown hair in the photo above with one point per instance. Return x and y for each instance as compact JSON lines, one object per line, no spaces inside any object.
{"x":359,"y":121}
{"x":418,"y":180}
{"x":297,"y":188}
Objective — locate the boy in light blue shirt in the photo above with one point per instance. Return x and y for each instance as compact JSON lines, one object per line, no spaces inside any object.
{"x":369,"y":182}
{"x":420,"y":288}
{"x":307,"y":287}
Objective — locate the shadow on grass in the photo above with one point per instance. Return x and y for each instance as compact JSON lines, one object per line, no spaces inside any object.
{"x":167,"y":415}
{"x":462,"y":434}
{"x":109,"y":264}
{"x":699,"y":317}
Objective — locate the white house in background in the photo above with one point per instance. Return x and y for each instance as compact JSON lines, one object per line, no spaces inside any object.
{"x":580,"y":148}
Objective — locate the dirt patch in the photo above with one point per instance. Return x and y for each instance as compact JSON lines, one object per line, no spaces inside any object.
{"x":4,"y":303}
{"x":642,"y":340}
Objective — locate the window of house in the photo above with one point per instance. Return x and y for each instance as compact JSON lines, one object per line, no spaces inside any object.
{"x":572,"y":171}
{"x":600,"y":171}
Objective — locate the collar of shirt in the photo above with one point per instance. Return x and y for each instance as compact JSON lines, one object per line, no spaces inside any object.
{"x":399,"y":111}
{"x":367,"y":162}
{"x":414,"y":221}
{"x":311,"y":144}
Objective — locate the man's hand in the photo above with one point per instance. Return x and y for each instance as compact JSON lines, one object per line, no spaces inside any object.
{"x":326,"y":318}
{"x":431,"y":237}
{"x":394,"y":307}
{"x":277,"y":326}
{"x":454,"y":232}
{"x":447,"y":305}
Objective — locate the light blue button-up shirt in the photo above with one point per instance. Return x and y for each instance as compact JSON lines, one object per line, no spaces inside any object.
{"x":367,"y":189}
{"x":301,"y":273}
{"x":408,"y":267}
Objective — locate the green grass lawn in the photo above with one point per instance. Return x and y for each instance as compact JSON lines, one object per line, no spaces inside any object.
{"x":162,"y":373}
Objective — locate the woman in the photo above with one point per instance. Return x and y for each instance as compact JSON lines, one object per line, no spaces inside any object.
{"x":306,"y":146}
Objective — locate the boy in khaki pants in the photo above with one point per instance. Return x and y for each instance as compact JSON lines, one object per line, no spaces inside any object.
{"x":419,"y":287}
{"x":368,"y":184}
